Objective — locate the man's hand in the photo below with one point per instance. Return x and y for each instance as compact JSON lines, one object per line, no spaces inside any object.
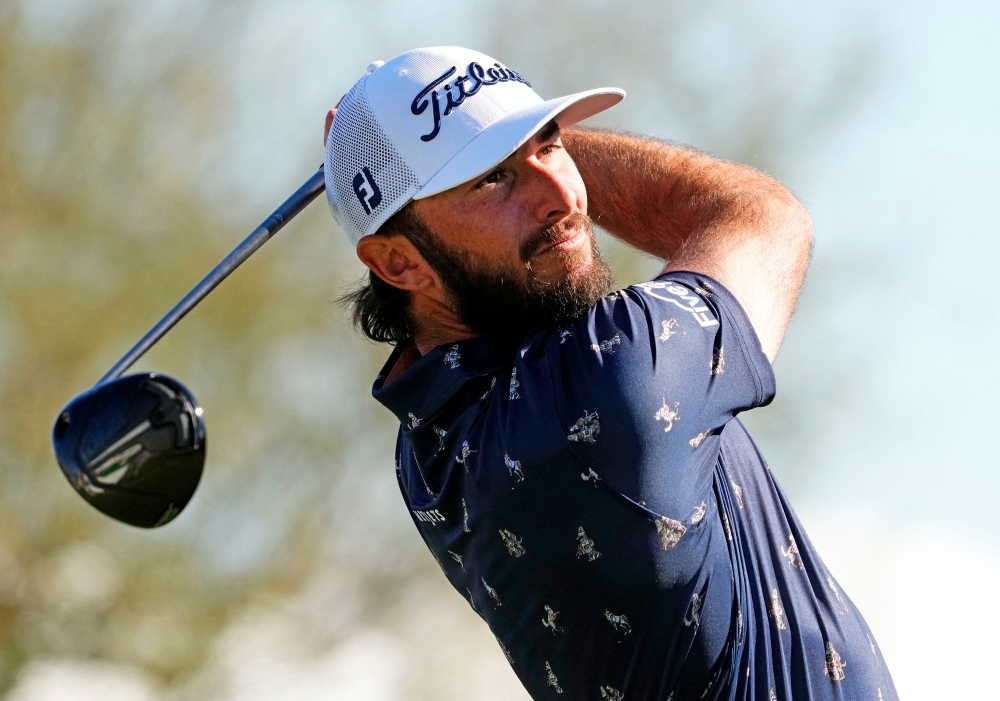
{"x":701,"y":214}
{"x":329,"y":123}
{"x":329,"y":119}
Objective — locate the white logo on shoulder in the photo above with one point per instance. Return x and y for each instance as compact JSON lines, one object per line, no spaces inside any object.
{"x":681,"y":297}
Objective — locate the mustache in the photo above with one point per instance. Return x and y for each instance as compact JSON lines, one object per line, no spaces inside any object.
{"x":553,"y":233}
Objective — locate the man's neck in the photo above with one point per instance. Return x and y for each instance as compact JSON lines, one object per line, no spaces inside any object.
{"x":438,"y":324}
{"x":426,"y":342}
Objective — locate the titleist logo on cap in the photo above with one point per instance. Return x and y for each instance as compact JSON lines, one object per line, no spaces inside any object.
{"x":456,"y":91}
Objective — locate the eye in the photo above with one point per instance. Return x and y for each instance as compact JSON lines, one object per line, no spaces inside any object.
{"x":549,"y":148}
{"x":491,"y":178}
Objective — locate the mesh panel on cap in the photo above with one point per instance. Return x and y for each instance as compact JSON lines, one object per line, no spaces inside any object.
{"x":358,"y":152}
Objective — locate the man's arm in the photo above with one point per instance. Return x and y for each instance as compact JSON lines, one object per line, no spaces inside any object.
{"x":702,"y":214}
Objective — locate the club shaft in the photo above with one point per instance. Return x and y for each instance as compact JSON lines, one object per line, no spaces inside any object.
{"x":279,"y":217}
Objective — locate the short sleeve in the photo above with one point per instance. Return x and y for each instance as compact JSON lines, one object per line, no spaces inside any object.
{"x":645,"y":381}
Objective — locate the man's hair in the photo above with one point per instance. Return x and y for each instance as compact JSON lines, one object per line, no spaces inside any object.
{"x":380,"y":310}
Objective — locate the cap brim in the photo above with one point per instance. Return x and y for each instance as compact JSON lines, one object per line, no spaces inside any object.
{"x":506,"y":135}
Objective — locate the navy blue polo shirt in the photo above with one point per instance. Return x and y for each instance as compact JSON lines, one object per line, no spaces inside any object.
{"x":592,"y":495}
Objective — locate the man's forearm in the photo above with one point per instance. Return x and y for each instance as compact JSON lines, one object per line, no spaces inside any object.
{"x":657,"y":196}
{"x":703,"y":214}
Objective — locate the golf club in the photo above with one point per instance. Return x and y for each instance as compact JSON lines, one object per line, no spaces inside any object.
{"x":134,"y":446}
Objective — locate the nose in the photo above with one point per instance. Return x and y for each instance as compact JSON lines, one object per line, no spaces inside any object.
{"x":553,"y":197}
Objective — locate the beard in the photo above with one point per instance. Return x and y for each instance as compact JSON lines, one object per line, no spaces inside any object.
{"x":498,"y":300}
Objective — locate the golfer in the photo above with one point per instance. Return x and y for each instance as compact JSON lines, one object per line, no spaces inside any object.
{"x":570,"y":454}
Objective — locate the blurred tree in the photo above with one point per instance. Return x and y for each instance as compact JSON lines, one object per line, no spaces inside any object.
{"x":101,"y":230}
{"x":82,"y":233}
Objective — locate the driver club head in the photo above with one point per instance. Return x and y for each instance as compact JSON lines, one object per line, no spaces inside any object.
{"x":133,"y":447}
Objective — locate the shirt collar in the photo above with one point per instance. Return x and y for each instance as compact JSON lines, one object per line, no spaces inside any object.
{"x":423,"y":388}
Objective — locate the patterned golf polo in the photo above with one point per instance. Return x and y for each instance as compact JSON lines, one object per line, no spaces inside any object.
{"x":592,"y":496}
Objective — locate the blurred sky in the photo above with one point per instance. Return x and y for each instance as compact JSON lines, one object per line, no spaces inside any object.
{"x":889,"y":386}
{"x":902,"y":497}
{"x":911,"y":182}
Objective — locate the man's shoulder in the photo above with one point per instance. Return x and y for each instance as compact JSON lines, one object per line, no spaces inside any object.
{"x":687,"y":293}
{"x":626,"y":330}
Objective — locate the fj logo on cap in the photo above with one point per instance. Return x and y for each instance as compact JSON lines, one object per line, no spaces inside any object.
{"x":456,"y":92}
{"x":367,"y":191}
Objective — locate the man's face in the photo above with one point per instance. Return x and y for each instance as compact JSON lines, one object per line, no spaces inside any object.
{"x":515,"y":248}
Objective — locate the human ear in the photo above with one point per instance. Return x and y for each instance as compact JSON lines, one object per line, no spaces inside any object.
{"x":396,"y":261}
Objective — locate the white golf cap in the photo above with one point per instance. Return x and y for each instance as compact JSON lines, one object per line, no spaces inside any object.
{"x":428,"y":120}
